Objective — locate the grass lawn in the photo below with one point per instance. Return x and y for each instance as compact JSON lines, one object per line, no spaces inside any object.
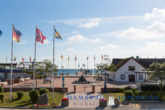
{"x":116,"y":95}
{"x":19,"y":103}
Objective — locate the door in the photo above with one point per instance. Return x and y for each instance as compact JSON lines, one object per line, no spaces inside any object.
{"x":131,"y":78}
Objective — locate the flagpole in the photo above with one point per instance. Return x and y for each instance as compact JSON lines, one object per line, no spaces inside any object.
{"x":94,"y":65}
{"x":75,"y":63}
{"x":68,"y":64}
{"x":34,"y":60}
{"x":53,"y":61}
{"x":11,"y":65}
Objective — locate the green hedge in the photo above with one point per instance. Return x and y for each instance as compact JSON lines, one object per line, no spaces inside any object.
{"x":1,"y":89}
{"x":121,"y":90}
{"x":134,"y":89}
{"x":43,"y":91}
{"x":128,"y":94}
{"x":2,"y":97}
{"x":150,"y":88}
{"x":34,"y":95}
{"x":127,"y":88}
{"x":20,"y":94}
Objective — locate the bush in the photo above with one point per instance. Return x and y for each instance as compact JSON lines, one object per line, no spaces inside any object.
{"x":150,"y":88}
{"x":127,"y":88}
{"x":1,"y":89}
{"x":128,"y":94}
{"x":20,"y":94}
{"x":43,"y":91}
{"x":134,"y":89}
{"x":34,"y":95}
{"x":2,"y":97}
{"x":121,"y":90}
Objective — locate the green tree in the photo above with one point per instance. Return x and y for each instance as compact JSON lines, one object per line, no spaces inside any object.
{"x":158,"y":71}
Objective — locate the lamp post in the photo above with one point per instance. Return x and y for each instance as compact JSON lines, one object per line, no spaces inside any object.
{"x":105,"y":83}
{"x":63,"y":84}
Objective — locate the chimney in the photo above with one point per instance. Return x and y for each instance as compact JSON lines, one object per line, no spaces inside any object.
{"x":137,"y":57}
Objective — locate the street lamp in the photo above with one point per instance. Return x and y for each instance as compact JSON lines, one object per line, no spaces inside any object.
{"x":63,"y":84}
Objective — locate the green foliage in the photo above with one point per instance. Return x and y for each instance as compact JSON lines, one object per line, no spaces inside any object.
{"x":2,"y":97}
{"x":150,"y":88}
{"x":134,"y":89}
{"x":34,"y":95}
{"x":128,"y":94}
{"x":127,"y":88}
{"x":1,"y":89}
{"x":121,"y":90}
{"x":43,"y":91}
{"x":20,"y":94}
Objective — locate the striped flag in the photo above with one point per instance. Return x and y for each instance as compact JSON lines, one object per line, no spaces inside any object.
{"x":102,"y":57}
{"x":14,"y":58}
{"x":61,"y":56}
{"x":75,"y":58}
{"x":30,"y":59}
{"x":57,"y":35}
{"x":68,"y":57}
{"x":39,"y":36}
{"x":16,"y":34}
{"x":23,"y":59}
{"x":94,"y":57}
{"x":87,"y":57}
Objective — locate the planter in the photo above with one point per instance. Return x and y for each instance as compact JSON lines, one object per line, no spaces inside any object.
{"x":102,"y":103}
{"x":65,"y":103}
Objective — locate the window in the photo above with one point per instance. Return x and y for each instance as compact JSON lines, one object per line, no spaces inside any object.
{"x":131,"y":68}
{"x":140,"y":77}
{"x":122,"y":76}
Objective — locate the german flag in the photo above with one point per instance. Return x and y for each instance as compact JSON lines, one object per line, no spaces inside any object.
{"x":16,"y":34}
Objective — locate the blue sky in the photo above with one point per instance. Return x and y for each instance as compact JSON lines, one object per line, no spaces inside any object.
{"x":118,"y":28}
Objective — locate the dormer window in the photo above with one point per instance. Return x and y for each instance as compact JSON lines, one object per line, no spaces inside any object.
{"x":131,"y":68}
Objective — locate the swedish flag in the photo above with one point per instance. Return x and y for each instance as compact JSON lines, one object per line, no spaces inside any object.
{"x":0,"y":33}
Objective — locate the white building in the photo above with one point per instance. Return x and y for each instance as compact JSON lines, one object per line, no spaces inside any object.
{"x":125,"y":69}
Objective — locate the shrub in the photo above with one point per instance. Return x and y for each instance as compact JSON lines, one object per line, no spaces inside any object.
{"x":1,"y":89}
{"x":1,"y":97}
{"x":128,"y":94}
{"x":20,"y":94}
{"x":134,"y":89}
{"x":121,"y":90}
{"x":127,"y":88}
{"x":43,"y":91}
{"x":34,"y":95}
{"x":150,"y":88}
{"x":163,"y":89}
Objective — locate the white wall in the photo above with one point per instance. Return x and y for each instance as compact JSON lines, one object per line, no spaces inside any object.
{"x":124,"y":69}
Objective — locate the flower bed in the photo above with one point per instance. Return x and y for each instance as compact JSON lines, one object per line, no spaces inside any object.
{"x":64,"y":99}
{"x":45,"y":105}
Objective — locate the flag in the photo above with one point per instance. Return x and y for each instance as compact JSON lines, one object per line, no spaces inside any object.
{"x":57,"y":35}
{"x":39,"y":36}
{"x":75,"y":58}
{"x":6,"y":57}
{"x":61,"y":56}
{"x":14,"y":58}
{"x":87,"y":57}
{"x":23,"y":59}
{"x":16,"y":34}
{"x":30,"y":59}
{"x":0,"y":33}
{"x":102,"y":56}
{"x":94,"y":57}
{"x":68,"y":57}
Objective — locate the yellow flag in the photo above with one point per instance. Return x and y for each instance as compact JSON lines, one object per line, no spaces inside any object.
{"x":68,"y":57}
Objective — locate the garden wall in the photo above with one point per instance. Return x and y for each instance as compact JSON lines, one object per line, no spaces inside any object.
{"x":109,"y":89}
{"x":15,"y":89}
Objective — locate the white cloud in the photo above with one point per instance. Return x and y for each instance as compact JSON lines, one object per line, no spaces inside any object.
{"x":70,"y":49}
{"x":65,"y":34}
{"x":75,"y":32}
{"x":46,"y":41}
{"x":93,"y":23}
{"x":77,"y":38}
{"x":24,"y":42}
{"x":156,"y":30}
{"x":109,"y":46}
{"x":96,"y":40}
{"x":156,"y":13}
